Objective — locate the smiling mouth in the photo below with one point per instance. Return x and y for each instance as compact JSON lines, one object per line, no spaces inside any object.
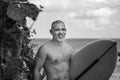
{"x":61,"y":36}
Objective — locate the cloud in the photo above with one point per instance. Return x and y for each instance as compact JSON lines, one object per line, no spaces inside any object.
{"x":105,"y":1}
{"x":67,"y":5}
{"x":103,"y":21}
{"x":56,"y":5}
{"x":74,"y":5}
{"x":94,"y":13}
{"x":99,"y":1}
{"x":36,"y":2}
{"x":95,"y":19}
{"x":103,"y":12}
{"x":80,"y":15}
{"x":91,"y":24}
{"x":83,"y":16}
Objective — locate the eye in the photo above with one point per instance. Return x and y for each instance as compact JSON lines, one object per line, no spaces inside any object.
{"x":57,"y":29}
{"x":63,"y":29}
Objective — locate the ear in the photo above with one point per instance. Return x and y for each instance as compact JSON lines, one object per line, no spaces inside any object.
{"x":51,"y":32}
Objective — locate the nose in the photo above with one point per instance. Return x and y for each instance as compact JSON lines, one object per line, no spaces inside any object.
{"x":61,"y":31}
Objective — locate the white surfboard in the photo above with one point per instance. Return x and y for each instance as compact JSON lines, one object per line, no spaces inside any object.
{"x":96,"y":61}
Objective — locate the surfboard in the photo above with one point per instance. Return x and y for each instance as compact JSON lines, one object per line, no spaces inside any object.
{"x":95,"y":61}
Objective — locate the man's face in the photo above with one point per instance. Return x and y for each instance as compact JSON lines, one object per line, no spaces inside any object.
{"x":59,"y":32}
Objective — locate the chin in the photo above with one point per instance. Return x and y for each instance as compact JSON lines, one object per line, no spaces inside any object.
{"x":60,"y":40}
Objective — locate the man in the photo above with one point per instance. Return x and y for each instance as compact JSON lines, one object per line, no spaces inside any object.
{"x":55,"y":55}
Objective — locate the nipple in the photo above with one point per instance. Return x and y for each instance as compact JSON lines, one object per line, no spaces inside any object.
{"x":58,"y":61}
{"x":66,"y":76}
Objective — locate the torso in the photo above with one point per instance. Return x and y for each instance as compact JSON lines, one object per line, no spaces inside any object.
{"x":57,"y":62}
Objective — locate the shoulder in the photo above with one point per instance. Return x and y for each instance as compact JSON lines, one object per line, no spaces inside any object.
{"x":41,"y":52}
{"x":71,"y":48}
{"x":44,"y":48}
{"x":69,"y":45}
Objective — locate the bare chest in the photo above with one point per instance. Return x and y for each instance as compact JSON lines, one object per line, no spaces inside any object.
{"x":59,"y":55}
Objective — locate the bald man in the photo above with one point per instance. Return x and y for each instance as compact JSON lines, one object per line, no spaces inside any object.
{"x":55,"y":55}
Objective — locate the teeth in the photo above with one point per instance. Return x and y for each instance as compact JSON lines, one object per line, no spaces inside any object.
{"x":60,"y":36}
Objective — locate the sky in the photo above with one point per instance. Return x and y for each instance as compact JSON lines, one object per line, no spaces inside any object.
{"x":83,"y":18}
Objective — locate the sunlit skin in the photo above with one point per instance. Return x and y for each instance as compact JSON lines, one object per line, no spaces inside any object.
{"x":55,"y":55}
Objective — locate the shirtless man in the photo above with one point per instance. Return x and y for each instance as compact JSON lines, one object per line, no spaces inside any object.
{"x":55,"y":55}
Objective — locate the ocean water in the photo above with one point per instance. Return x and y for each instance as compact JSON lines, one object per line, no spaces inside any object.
{"x":78,"y":44}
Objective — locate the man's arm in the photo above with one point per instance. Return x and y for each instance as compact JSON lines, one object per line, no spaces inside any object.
{"x":72,"y":54}
{"x":39,"y":62}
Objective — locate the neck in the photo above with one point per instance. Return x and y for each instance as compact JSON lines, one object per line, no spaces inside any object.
{"x":60,"y":43}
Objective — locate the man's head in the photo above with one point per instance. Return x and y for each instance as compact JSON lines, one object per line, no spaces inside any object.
{"x":58,"y":30}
